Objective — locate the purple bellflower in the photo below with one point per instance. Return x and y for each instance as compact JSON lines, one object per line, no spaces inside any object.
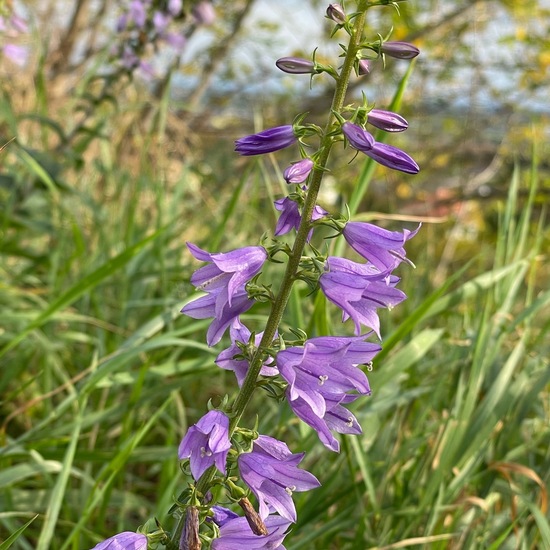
{"x":290,"y":216}
{"x":399,"y":50}
{"x":379,"y":246}
{"x":336,"y":13}
{"x":387,"y":121}
{"x":267,"y":141}
{"x":358,"y":137}
{"x":359,"y":290}
{"x":235,"y":533}
{"x":320,"y":374}
{"x":295,"y":65}
{"x":123,"y":541}
{"x":226,"y":360}
{"x":271,"y":471}
{"x":363,"y":67}
{"x":224,"y":282}
{"x":206,"y":443}
{"x":392,"y":157}
{"x":298,"y":172}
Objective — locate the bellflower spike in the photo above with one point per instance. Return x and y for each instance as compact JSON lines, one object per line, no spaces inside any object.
{"x":271,"y":471}
{"x":387,"y":121}
{"x":225,"y":360}
{"x":267,"y":141}
{"x":320,"y":374}
{"x":123,"y":541}
{"x":358,"y":137}
{"x":399,"y":50}
{"x":392,"y":157}
{"x":290,"y":216}
{"x":206,"y":443}
{"x":379,"y":246}
{"x":235,"y":533}
{"x":359,"y":290}
{"x":298,"y":172}
{"x":224,"y":282}
{"x":295,"y":65}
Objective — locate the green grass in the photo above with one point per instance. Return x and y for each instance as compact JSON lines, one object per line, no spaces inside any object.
{"x":101,"y":375}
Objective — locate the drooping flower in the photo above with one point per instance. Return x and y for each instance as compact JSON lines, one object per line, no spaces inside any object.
{"x":379,"y":246}
{"x":206,"y":443}
{"x":399,"y":50}
{"x":358,"y":137}
{"x":387,"y":121}
{"x":226,"y":359}
{"x":359,"y":290}
{"x":298,"y":172}
{"x":336,"y":13}
{"x":235,"y":533}
{"x":271,"y":471}
{"x":290,"y":217}
{"x":123,"y":541}
{"x":392,"y":157}
{"x":267,"y":141}
{"x":224,"y":282}
{"x":320,"y":376}
{"x":295,"y":65}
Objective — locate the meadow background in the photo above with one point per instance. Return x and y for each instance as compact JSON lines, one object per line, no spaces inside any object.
{"x":104,"y":177}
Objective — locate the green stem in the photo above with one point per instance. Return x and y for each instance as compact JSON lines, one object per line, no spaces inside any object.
{"x":279,"y":305}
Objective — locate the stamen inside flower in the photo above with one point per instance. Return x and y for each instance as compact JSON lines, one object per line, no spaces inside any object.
{"x":322,"y":379}
{"x":290,"y":489}
{"x":349,"y":423}
{"x":205,"y":452}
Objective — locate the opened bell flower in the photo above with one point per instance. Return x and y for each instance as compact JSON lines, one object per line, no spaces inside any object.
{"x":226,"y":359}
{"x":379,"y":246}
{"x":224,"y":282}
{"x":392,"y":157}
{"x":206,"y":443}
{"x":295,"y":65}
{"x":123,"y":541}
{"x":359,"y":290}
{"x":236,"y":534}
{"x":399,"y":50}
{"x":272,"y":474}
{"x":298,"y":172}
{"x":320,"y":376}
{"x":267,"y":141}
{"x":387,"y":121}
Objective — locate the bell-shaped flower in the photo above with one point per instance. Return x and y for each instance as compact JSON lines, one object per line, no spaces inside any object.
{"x":298,"y":172}
{"x":320,"y":376}
{"x":387,"y":120}
{"x":206,"y":443}
{"x":359,"y":290}
{"x":267,"y":141}
{"x":123,"y":541}
{"x":224,"y":281}
{"x":235,"y":532}
{"x":399,"y":50}
{"x":379,"y":246}
{"x":226,"y":359}
{"x":336,"y":13}
{"x":290,"y":217}
{"x":271,"y":471}
{"x":392,"y":157}
{"x":295,"y":65}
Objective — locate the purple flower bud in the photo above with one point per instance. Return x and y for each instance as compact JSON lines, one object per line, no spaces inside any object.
{"x":290,"y":216}
{"x":124,"y":541}
{"x":399,"y":50}
{"x":267,"y":141}
{"x":336,"y":13}
{"x":298,"y":172}
{"x":204,"y":13}
{"x":392,"y":157}
{"x":387,"y":121}
{"x":206,"y":443}
{"x":358,"y":137}
{"x":295,"y":65}
{"x":364,"y":67}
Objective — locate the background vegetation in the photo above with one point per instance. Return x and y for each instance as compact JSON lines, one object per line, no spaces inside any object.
{"x":106,"y":178}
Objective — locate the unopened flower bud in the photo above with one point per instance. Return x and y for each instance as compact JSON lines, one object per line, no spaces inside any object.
{"x":336,"y":13}
{"x":295,"y":65}
{"x":387,"y":121}
{"x":254,"y":520}
{"x":364,"y":67}
{"x":190,"y":535}
{"x":298,"y":171}
{"x":399,"y":50}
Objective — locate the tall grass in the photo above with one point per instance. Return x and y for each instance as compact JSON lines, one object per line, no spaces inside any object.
{"x":101,"y":374}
